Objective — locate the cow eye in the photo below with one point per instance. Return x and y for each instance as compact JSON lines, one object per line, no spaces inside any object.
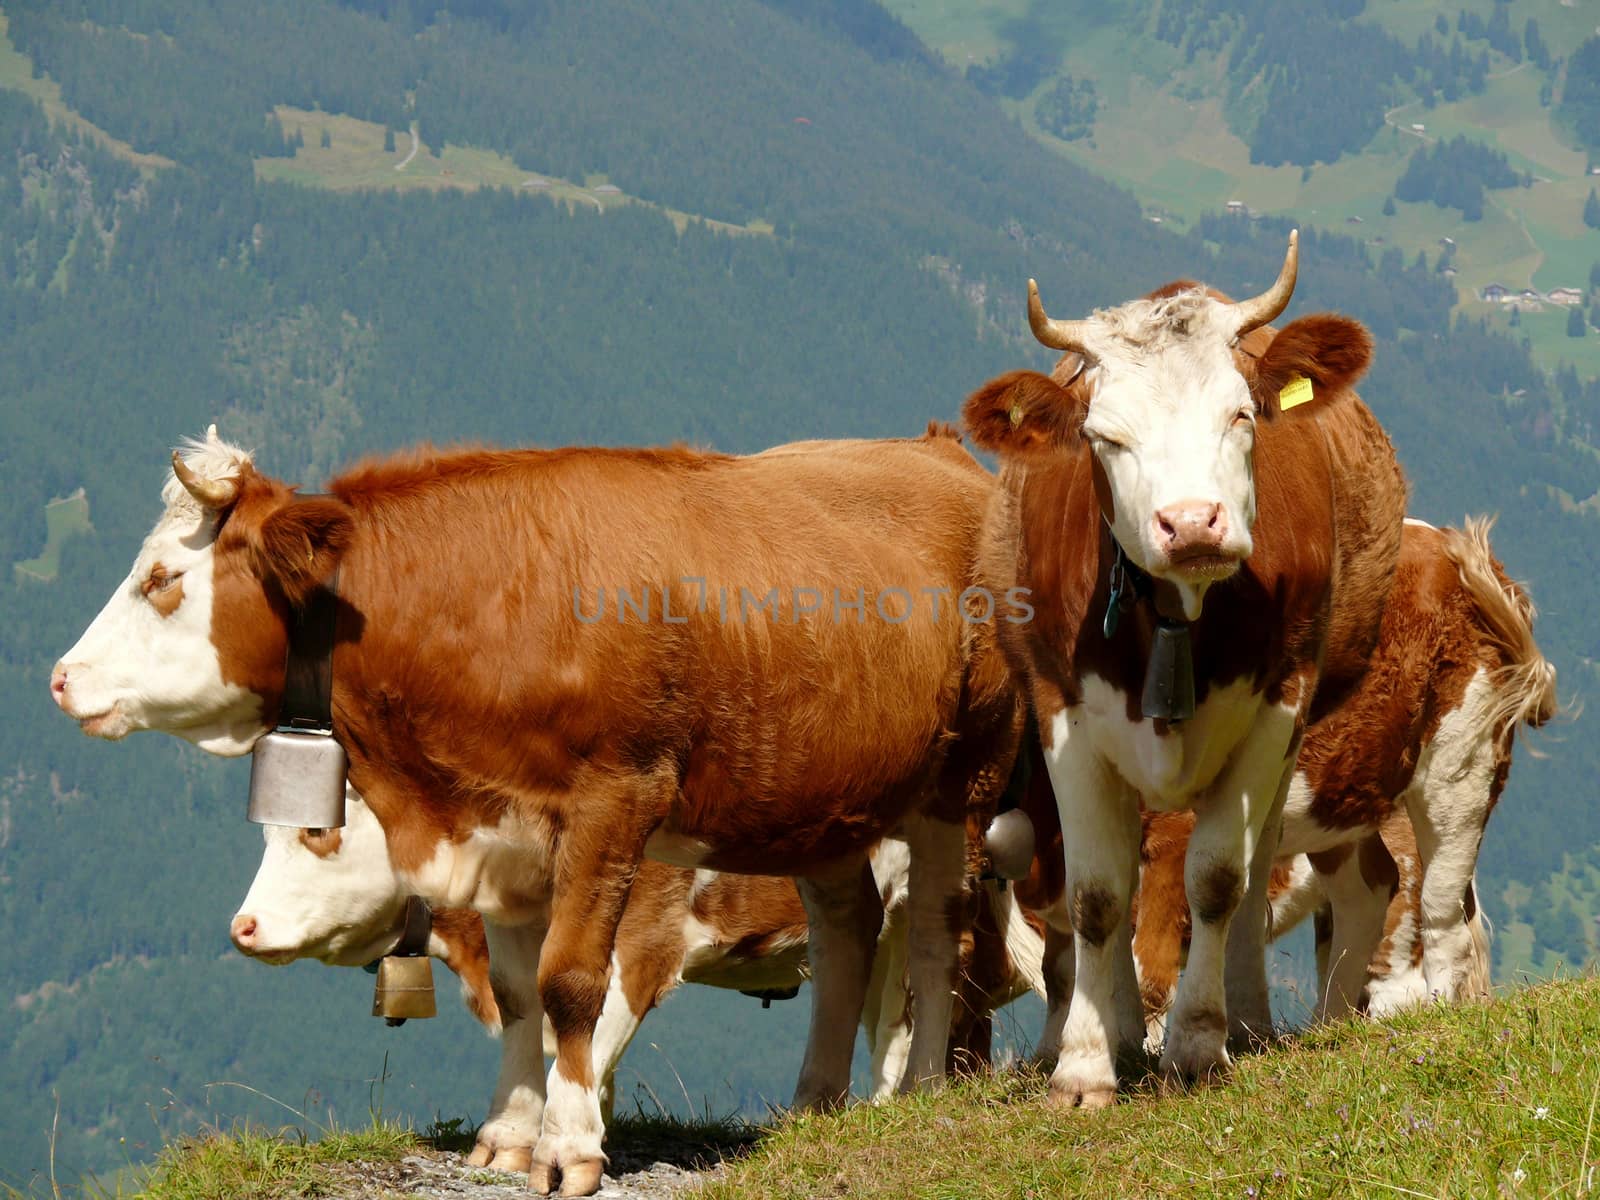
{"x":161,"y":581}
{"x":1244,"y":416}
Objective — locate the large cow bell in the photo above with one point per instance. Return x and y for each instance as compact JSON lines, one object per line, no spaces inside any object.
{"x":1009,"y":843}
{"x":1169,"y":675}
{"x":404,"y":989}
{"x":297,"y":779}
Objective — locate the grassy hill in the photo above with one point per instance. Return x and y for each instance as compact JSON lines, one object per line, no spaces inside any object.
{"x":1169,"y":125}
{"x":1471,"y":1101}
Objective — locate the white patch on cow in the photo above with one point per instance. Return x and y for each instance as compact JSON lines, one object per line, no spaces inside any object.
{"x":886,"y":1014}
{"x":573,"y":1127}
{"x":1303,"y":833}
{"x":1102,"y":861}
{"x":1398,"y":982}
{"x":1448,"y":804}
{"x":1172,"y":424}
{"x":891,"y":870}
{"x":1230,"y":818}
{"x":677,"y":849}
{"x":1167,"y":770}
{"x":345,"y":908}
{"x":502,"y":871}
{"x":1358,"y":911}
{"x":133,"y":668}
{"x":1301,"y":897}
{"x":1419,"y":523}
{"x":516,"y":1112}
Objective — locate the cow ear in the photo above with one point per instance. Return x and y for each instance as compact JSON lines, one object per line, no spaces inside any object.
{"x":1311,"y":361}
{"x":300,"y":544}
{"x":1023,"y":413}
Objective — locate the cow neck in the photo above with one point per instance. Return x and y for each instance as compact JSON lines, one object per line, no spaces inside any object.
{"x":1167,"y":695}
{"x":307,"y":702}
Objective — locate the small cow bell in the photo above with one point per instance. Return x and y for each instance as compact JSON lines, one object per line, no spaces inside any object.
{"x":297,"y":779}
{"x":404,"y":989}
{"x":1009,"y":843}
{"x":1169,"y":676}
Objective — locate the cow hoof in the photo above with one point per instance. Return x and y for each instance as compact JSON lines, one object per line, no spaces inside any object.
{"x":1078,"y":1096}
{"x":1084,"y":1084}
{"x":500,"y":1157}
{"x":1195,"y":1064}
{"x":582,"y":1178}
{"x":577,"y":1177}
{"x":542,"y":1178}
{"x":516,"y":1159}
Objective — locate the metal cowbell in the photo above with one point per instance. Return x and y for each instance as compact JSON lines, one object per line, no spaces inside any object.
{"x":404,"y":988}
{"x":297,"y":778}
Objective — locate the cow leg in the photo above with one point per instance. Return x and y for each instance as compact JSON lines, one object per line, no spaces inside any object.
{"x":506,"y":1139}
{"x":1358,"y":907}
{"x":936,"y":902}
{"x":1228,"y":832}
{"x":887,"y":1016}
{"x":628,"y":1000}
{"x":1101,"y":819}
{"x":1245,"y":984}
{"x":574,"y":976}
{"x":845,"y":914}
{"x":1449,"y":830}
{"x":1060,"y":972}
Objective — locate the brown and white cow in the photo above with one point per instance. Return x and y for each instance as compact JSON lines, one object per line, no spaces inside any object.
{"x":333,"y":895}
{"x":1243,"y":492}
{"x":796,"y":672}
{"x":1425,"y":739}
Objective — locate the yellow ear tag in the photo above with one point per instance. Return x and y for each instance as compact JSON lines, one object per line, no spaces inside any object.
{"x":1016,"y":415}
{"x":1297,"y":391}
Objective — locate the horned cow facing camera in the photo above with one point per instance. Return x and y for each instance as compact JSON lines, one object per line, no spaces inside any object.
{"x":1188,"y":474}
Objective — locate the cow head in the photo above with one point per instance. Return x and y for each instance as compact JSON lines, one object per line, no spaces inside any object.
{"x":1168,"y":404}
{"x":328,"y":894}
{"x":193,"y":640}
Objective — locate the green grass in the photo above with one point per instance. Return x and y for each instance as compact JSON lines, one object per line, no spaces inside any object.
{"x":250,"y":1165}
{"x":16,"y":73}
{"x":355,"y":160}
{"x":1466,"y":1101}
{"x":63,"y":519}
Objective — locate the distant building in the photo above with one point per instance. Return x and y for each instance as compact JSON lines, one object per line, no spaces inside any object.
{"x":1495,"y":293}
{"x":1236,"y":206}
{"x":1418,"y":127}
{"x":1447,"y":241}
{"x":1529,"y":293}
{"x":608,"y":189}
{"x":1353,"y":221}
{"x":1565,"y":295}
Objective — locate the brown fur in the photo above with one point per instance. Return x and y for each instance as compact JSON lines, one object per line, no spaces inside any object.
{"x":321,"y":842}
{"x":466,"y":690}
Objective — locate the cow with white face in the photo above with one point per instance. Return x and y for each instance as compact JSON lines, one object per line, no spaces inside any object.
{"x":147,"y":661}
{"x":524,"y":756}
{"x":1192,"y":495}
{"x":333,"y":895}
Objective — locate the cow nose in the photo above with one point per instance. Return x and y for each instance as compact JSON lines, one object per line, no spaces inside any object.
{"x":243,"y":932}
{"x":1191,"y":527}
{"x":58,"y":685}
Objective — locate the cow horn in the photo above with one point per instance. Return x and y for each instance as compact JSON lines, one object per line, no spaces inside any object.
{"x":212,"y":493}
{"x":1254,"y":313}
{"x":1058,"y":335}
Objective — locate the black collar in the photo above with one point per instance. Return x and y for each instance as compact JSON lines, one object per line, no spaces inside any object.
{"x":308,"y":663}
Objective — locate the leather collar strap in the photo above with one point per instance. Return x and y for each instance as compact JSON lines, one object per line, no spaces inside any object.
{"x":414,"y":937}
{"x":308,"y":666}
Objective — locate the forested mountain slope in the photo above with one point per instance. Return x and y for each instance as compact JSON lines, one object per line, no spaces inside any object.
{"x":1465,"y":131}
{"x":140,"y":301}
